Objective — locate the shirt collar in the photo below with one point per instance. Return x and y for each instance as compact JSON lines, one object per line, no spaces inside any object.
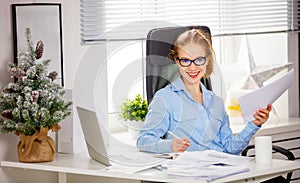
{"x":178,"y":85}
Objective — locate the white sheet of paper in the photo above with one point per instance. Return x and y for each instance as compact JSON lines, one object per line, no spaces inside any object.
{"x":209,"y":157}
{"x":265,"y":95}
{"x":206,"y":165}
{"x":208,"y":173}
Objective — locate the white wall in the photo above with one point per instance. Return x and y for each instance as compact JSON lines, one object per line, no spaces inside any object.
{"x":72,"y":53}
{"x":293,"y":56}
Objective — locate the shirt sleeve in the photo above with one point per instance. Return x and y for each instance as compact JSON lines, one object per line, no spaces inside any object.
{"x":235,"y":144}
{"x":155,"y":127}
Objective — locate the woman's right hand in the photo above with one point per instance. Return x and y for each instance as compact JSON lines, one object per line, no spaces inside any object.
{"x":180,"y":144}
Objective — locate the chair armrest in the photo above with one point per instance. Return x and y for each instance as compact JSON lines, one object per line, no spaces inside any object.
{"x":284,"y":151}
{"x":281,"y":150}
{"x":245,"y":151}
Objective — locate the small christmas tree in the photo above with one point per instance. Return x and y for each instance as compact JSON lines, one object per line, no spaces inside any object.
{"x":33,"y":101}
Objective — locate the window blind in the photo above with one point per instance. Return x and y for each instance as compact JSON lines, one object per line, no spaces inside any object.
{"x":109,"y":20}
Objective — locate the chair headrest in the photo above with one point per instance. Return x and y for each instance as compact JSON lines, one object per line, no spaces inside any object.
{"x":161,"y":40}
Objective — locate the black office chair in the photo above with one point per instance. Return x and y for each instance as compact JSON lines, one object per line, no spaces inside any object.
{"x":160,"y":71}
{"x":276,"y":149}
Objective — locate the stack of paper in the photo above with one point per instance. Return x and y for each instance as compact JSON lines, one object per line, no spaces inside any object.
{"x":208,"y":173}
{"x":206,"y":165}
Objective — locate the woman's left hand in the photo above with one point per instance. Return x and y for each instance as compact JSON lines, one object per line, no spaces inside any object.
{"x":262,"y":115}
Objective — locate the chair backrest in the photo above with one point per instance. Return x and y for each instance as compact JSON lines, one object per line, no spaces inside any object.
{"x":160,"y":70}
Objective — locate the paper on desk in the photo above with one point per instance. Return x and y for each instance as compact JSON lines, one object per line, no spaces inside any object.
{"x":208,"y":173}
{"x":208,"y":157}
{"x":206,"y":165}
{"x":261,"y":97}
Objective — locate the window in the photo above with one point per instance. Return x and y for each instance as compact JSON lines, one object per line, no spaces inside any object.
{"x":259,"y":27}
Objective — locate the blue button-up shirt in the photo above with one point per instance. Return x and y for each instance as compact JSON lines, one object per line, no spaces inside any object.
{"x":207,"y":126}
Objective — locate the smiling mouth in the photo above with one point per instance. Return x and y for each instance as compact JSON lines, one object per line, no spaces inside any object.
{"x":193,"y":74}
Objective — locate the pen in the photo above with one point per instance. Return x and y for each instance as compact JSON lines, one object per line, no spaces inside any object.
{"x":165,"y":155}
{"x":173,"y":135}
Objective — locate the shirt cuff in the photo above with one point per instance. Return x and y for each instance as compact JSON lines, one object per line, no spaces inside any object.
{"x":254,"y":126}
{"x":251,"y":129}
{"x":164,"y":146}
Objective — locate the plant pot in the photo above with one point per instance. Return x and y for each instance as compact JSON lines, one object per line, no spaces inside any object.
{"x":134,"y":133}
{"x":38,"y":147}
{"x":134,"y":128}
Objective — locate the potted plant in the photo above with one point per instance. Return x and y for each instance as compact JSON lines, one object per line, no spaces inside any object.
{"x":33,"y":104}
{"x":133,"y":113}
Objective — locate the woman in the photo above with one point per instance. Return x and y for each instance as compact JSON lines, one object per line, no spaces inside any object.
{"x":187,"y":109}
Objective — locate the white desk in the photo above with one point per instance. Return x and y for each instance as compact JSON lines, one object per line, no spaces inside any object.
{"x":80,"y":164}
{"x":67,"y":165}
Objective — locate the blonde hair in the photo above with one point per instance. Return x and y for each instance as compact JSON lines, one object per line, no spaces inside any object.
{"x":198,"y":37}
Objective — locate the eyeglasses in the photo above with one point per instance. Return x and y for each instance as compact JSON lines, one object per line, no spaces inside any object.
{"x":186,"y":62}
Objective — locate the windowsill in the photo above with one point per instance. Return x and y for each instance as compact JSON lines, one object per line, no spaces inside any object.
{"x":284,"y":125}
{"x":124,"y":137}
{"x":272,"y":127}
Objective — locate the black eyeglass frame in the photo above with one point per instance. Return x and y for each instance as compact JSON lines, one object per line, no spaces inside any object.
{"x":202,"y":62}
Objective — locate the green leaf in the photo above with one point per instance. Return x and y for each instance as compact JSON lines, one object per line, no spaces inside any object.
{"x":134,"y":110}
